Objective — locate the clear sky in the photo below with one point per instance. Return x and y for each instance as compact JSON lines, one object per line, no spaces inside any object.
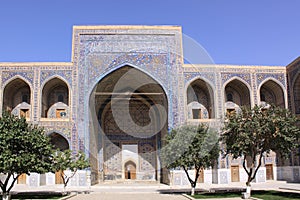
{"x":256,"y":32}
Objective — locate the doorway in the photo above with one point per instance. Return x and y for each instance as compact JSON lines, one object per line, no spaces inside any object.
{"x":22,"y":179}
{"x":269,"y":172}
{"x":235,"y":174}
{"x":130,"y":170}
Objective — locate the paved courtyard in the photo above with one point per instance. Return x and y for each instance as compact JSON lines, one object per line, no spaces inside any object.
{"x":151,"y":191}
{"x":128,"y":196}
{"x":147,"y":192}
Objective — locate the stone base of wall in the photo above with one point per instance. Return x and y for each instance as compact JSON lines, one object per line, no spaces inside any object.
{"x":289,"y":174}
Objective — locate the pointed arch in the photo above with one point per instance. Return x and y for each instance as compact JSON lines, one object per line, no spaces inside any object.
{"x":16,"y":91}
{"x":59,"y":141}
{"x":296,"y":93}
{"x":103,"y":75}
{"x":272,"y":91}
{"x":130,"y":170}
{"x":54,"y":90}
{"x":238,"y":90}
{"x":200,"y":99}
{"x":130,"y":90}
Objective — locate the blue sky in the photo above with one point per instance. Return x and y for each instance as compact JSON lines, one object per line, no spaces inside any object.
{"x":257,"y":32}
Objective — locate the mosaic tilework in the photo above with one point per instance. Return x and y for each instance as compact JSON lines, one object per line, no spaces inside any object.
{"x":293,"y":74}
{"x":188,"y":76}
{"x":66,"y":74}
{"x":33,"y":76}
{"x":62,"y":127}
{"x":223,"y":177}
{"x":263,"y":76}
{"x":102,"y":53}
{"x":227,"y":76}
{"x":27,"y":75}
{"x":260,"y":177}
{"x":97,"y":52}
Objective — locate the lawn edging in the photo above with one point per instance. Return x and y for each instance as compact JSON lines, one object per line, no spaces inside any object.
{"x":68,"y":196}
{"x":188,"y":196}
{"x":192,"y":198}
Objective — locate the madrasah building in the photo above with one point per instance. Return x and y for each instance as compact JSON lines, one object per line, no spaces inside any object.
{"x":125,"y":88}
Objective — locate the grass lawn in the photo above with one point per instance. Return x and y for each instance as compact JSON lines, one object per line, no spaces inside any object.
{"x":266,"y":195}
{"x":52,"y":195}
{"x":36,"y":197}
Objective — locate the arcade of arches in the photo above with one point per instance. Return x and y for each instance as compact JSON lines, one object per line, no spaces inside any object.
{"x":126,"y":87}
{"x":17,"y":98}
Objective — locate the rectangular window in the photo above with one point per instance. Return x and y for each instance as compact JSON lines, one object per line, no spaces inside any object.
{"x":24,"y":113}
{"x":196,"y":113}
{"x":61,"y":113}
{"x":230,"y":111}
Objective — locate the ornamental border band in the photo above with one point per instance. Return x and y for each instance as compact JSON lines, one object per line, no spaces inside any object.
{"x":77,"y":102}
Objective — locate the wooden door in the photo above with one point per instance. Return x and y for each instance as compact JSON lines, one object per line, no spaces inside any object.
{"x":58,"y":178}
{"x":201,"y":176}
{"x":235,"y":174}
{"x":130,"y":170}
{"x":60,"y":113}
{"x":269,"y":172}
{"x":22,"y":179}
{"x":24,"y":113}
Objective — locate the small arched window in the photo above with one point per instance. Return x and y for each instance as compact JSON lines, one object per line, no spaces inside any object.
{"x":60,"y":98}
{"x":262,"y":97}
{"x":25,"y":98}
{"x":229,"y":97}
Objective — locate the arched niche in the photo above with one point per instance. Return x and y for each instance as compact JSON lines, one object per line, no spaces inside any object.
{"x":17,"y":97}
{"x":138,"y":120}
{"x":59,"y":142}
{"x":200,"y":100}
{"x":271,"y":93}
{"x":296,"y":94}
{"x":237,"y":92}
{"x":55,"y":91}
{"x":130,"y":170}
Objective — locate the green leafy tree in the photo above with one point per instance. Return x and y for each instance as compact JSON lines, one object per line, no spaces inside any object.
{"x":251,"y":133}
{"x":188,"y":147}
{"x":23,"y":149}
{"x":64,"y":160}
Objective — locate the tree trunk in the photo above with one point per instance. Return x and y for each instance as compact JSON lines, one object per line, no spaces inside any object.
{"x":248,"y":183}
{"x":6,"y":196}
{"x":193,"y":183}
{"x":248,"y":190}
{"x":247,"y":194}
{"x":193,"y":191}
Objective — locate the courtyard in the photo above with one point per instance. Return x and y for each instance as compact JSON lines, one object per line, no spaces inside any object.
{"x":137,"y":191}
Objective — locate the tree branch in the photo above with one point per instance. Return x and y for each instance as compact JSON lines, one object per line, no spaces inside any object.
{"x":1,"y":185}
{"x":74,"y":172}
{"x":13,"y":183}
{"x":4,"y":185}
{"x":244,"y":166}
{"x":259,"y":164}
{"x":197,"y":173}
{"x":188,"y":176}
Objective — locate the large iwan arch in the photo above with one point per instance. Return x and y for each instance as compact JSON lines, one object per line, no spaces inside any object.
{"x":129,"y":120}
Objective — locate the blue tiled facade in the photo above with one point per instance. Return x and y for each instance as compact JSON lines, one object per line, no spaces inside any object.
{"x":155,"y":51}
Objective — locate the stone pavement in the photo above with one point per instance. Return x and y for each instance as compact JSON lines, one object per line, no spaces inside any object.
{"x":153,"y":191}
{"x":128,"y":196}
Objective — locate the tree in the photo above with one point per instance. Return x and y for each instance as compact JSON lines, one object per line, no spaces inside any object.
{"x":64,"y":160}
{"x":23,"y":149}
{"x":191,"y":147}
{"x":251,"y":133}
